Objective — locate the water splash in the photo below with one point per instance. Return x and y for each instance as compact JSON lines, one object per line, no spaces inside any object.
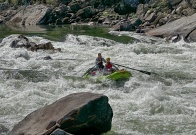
{"x":155,"y":104}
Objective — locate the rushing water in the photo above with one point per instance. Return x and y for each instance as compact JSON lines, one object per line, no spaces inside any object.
{"x":162,"y":103}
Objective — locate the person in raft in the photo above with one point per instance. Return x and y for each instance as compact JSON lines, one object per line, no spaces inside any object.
{"x":99,"y":62}
{"x":109,"y":67}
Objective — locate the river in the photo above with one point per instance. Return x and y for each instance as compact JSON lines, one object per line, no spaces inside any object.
{"x":161,"y":103}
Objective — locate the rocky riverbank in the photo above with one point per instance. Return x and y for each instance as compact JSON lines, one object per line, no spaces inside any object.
{"x":140,"y":16}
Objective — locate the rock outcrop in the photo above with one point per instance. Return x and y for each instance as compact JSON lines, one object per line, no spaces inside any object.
{"x":80,"y":114}
{"x":184,"y":27}
{"x":30,"y":15}
{"x":118,"y":14}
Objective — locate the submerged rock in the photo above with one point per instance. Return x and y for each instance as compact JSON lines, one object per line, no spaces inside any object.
{"x":23,"y":42}
{"x":80,"y":113}
{"x":125,"y":25}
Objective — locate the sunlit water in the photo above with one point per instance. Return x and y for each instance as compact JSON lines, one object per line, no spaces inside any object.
{"x":145,"y":104}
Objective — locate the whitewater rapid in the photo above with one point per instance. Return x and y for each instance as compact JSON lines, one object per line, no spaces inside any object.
{"x":145,"y":104}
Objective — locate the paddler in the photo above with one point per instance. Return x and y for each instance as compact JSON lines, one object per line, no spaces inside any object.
{"x":109,"y":66}
{"x":99,"y":61}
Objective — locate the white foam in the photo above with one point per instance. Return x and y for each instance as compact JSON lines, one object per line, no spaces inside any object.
{"x":143,"y":105}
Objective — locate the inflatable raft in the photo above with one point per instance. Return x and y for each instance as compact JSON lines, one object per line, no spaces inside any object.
{"x":116,"y":76}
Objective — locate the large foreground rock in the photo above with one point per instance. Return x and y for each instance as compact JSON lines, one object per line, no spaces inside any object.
{"x":79,"y":114}
{"x":184,"y":27}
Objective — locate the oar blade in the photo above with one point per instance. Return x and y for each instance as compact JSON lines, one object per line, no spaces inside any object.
{"x":90,"y":69}
{"x":142,"y":71}
{"x":145,"y":72}
{"x":86,"y":72}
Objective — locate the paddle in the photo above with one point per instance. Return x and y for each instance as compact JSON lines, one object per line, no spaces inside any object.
{"x":67,"y":59}
{"x":90,"y":69}
{"x":145,"y":72}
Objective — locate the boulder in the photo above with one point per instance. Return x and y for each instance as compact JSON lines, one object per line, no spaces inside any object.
{"x":60,"y":11}
{"x":30,"y":15}
{"x":20,"y":42}
{"x":184,"y":4}
{"x":8,"y":14}
{"x":178,"y":10}
{"x":4,"y":6}
{"x":23,"y":42}
{"x":188,"y":11}
{"x":184,"y":26}
{"x":176,"y":39}
{"x":123,"y":26}
{"x":59,"y":22}
{"x":95,"y":18}
{"x":174,"y":2}
{"x":107,"y":21}
{"x":46,"y":46}
{"x":193,"y":3}
{"x":185,"y":9}
{"x":66,"y":20}
{"x":141,"y":10}
{"x":86,"y":12}
{"x":124,"y":9}
{"x":79,"y":113}
{"x":147,"y":13}
{"x":136,"y":22}
{"x":163,"y":21}
{"x":64,"y":1}
{"x":101,"y":20}
{"x":47,"y":58}
{"x":74,"y":6}
{"x":192,"y":36}
{"x":156,"y":21}
{"x":151,"y":17}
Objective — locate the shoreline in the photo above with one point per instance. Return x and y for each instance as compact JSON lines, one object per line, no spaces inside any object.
{"x":58,"y":33}
{"x":149,"y":18}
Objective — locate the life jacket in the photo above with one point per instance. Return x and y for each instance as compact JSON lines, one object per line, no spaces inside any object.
{"x":100,"y":64}
{"x":108,"y":65}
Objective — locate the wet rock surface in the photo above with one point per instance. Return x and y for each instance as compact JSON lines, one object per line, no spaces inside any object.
{"x":78,"y":113}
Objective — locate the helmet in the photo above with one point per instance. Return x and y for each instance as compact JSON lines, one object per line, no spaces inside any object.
{"x":107,"y":59}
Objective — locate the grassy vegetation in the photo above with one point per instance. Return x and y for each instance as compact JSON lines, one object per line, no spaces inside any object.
{"x":11,"y":2}
{"x":160,"y":5}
